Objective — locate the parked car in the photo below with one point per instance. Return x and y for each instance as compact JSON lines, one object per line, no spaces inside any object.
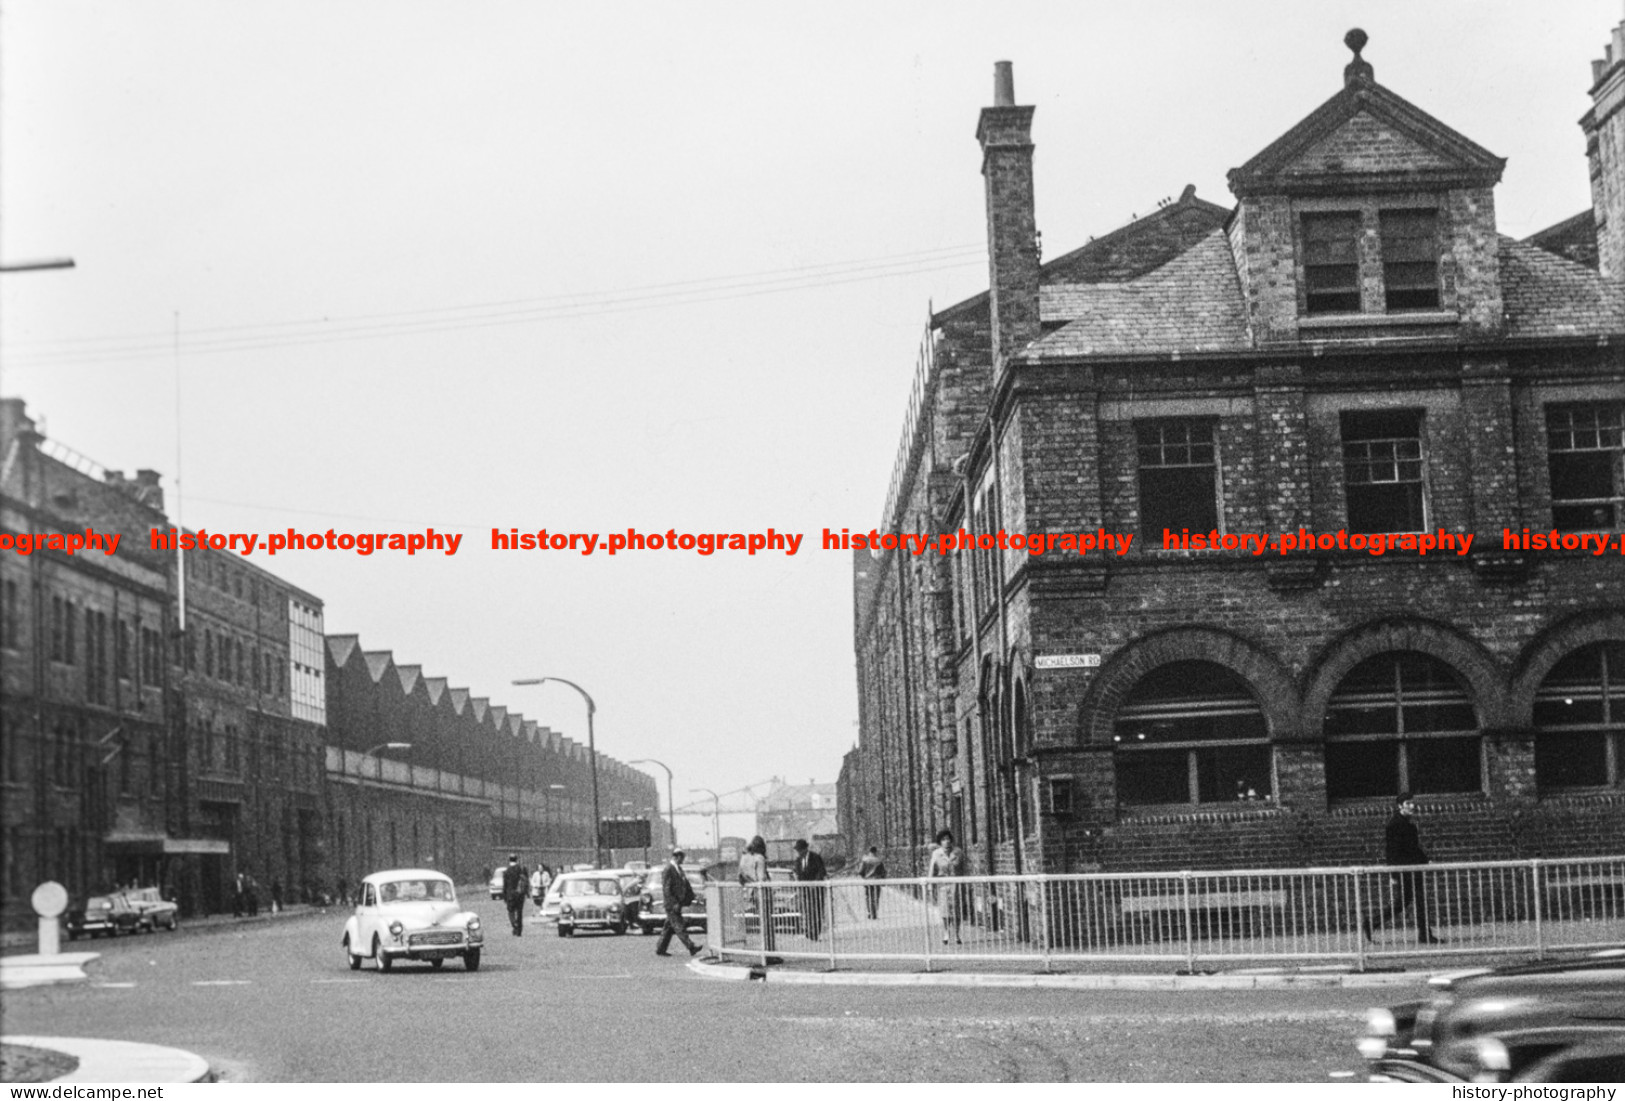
{"x":590,"y":900}
{"x":786,"y":901}
{"x":496,"y":884}
{"x":411,"y":914}
{"x":1548,"y":1021}
{"x":550,"y":902}
{"x":155,"y":911}
{"x":652,"y":913}
{"x":102,"y":915}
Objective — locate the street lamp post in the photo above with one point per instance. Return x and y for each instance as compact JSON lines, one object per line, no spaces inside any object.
{"x":671,"y":806}
{"x":592,"y":760}
{"x":716,"y":818}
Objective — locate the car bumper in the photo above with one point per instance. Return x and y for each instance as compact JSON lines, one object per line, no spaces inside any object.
{"x":430,"y":951}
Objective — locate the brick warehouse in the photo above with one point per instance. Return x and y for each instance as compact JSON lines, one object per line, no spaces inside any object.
{"x":1352,"y":347}
{"x":136,"y":749}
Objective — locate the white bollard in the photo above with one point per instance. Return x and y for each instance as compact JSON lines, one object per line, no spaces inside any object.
{"x":50,"y":900}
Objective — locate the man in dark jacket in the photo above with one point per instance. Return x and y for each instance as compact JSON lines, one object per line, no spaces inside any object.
{"x":515,"y":887}
{"x":676,"y":892}
{"x":809,"y":868}
{"x":1402,"y":848}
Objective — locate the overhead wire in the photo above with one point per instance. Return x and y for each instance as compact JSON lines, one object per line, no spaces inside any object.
{"x":489,"y":314}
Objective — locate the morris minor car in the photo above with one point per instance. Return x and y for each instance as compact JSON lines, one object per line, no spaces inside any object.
{"x":411,"y":914}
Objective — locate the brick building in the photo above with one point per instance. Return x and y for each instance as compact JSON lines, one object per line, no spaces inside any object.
{"x":1351,"y":348}
{"x":91,"y":761}
{"x":140,"y":745}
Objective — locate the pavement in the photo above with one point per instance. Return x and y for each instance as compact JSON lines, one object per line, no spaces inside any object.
{"x":1250,"y":979}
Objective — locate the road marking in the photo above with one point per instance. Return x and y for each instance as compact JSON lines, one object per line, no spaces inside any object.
{"x":340,"y":980}
{"x":116,"y":985}
{"x":223,"y":982}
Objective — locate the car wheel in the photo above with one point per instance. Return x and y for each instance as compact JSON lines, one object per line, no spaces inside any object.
{"x":471,"y":959}
{"x":620,"y":930}
{"x":564,"y":930}
{"x":380,"y":956}
{"x":437,"y":964}
{"x":355,"y":960}
{"x":174,"y":922}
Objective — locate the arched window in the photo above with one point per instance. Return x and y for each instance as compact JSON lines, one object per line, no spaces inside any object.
{"x":1401,"y":721}
{"x":1191,"y":732}
{"x":1580,"y":719}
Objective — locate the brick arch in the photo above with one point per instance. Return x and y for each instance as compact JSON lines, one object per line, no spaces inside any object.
{"x":1486,"y":680}
{"x":1264,"y":673}
{"x":1550,"y":646}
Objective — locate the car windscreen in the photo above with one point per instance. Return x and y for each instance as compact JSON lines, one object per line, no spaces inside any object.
{"x":591,"y":887}
{"x":416,"y":890}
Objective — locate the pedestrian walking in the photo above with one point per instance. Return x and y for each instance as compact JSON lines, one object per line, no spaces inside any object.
{"x":1402,"y":848}
{"x":515,"y":884}
{"x":239,"y":894}
{"x":676,"y":892}
{"x":754,"y":879}
{"x":540,"y":880}
{"x":872,"y":868}
{"x":947,"y":862}
{"x":809,"y":868}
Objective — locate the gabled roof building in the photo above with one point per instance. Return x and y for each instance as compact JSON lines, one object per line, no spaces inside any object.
{"x":1258,"y":489}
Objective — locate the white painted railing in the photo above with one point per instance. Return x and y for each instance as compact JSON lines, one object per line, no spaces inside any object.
{"x":1197,"y":919}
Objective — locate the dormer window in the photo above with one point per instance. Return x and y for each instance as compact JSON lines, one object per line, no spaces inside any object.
{"x":1410,"y":259}
{"x":1331,"y":261}
{"x":1370,"y":260}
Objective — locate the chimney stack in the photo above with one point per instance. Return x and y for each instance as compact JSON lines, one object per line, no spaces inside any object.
{"x":1604,"y":128}
{"x":1005,"y":134}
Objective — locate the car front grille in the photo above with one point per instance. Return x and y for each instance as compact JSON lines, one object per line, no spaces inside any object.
{"x":419,"y":940}
{"x":591,"y":913}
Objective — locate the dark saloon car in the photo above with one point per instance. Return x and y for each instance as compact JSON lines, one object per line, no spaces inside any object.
{"x":1551,"y":1021}
{"x":652,"y":914}
{"x":102,"y":915}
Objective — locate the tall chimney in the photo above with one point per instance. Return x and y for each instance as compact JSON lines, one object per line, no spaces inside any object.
{"x":1005,"y":133}
{"x":1604,"y":127}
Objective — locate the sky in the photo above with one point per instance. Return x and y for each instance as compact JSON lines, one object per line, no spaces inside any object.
{"x":387,"y":266}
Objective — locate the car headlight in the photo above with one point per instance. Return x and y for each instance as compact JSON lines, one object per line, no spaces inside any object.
{"x":395,"y":929}
{"x":473,"y":924}
{"x":1493,"y":1059}
{"x":1380,"y":1022}
{"x":566,"y":909}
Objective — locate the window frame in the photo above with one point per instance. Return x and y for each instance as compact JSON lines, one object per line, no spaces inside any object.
{"x":1191,"y":749}
{"x":1370,"y":294}
{"x":1401,"y":738}
{"x":1607,"y":418}
{"x":1396,"y":460}
{"x":1164,"y":446}
{"x":1609,"y":728}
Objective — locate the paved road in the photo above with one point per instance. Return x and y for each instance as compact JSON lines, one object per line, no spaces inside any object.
{"x":276,"y":1002}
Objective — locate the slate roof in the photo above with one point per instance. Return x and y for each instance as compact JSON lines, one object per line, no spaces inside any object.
{"x":1193,"y":303}
{"x":1127,"y":252}
{"x":1546,"y":295}
{"x":1573,"y":238}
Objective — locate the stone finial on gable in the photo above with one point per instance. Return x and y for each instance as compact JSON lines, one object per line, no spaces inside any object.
{"x":1358,"y":71}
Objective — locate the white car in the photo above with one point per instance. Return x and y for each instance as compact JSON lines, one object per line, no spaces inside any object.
{"x":590,"y":900}
{"x":411,"y":914}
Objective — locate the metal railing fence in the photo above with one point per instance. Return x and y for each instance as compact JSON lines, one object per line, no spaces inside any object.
{"x":1350,"y":914}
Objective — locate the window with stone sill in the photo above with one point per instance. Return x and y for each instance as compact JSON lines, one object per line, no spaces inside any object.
{"x":1191,"y":732}
{"x":1585,"y":456}
{"x":1406,"y":267}
{"x":1178,"y":462}
{"x":1383,"y":470}
{"x":1401,"y":721}
{"x":1580,"y":720}
{"x":1056,"y":797}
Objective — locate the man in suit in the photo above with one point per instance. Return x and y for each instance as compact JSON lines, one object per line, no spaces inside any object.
{"x":1402,"y":848}
{"x":515,"y":888}
{"x":809,"y":868}
{"x":676,"y":892}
